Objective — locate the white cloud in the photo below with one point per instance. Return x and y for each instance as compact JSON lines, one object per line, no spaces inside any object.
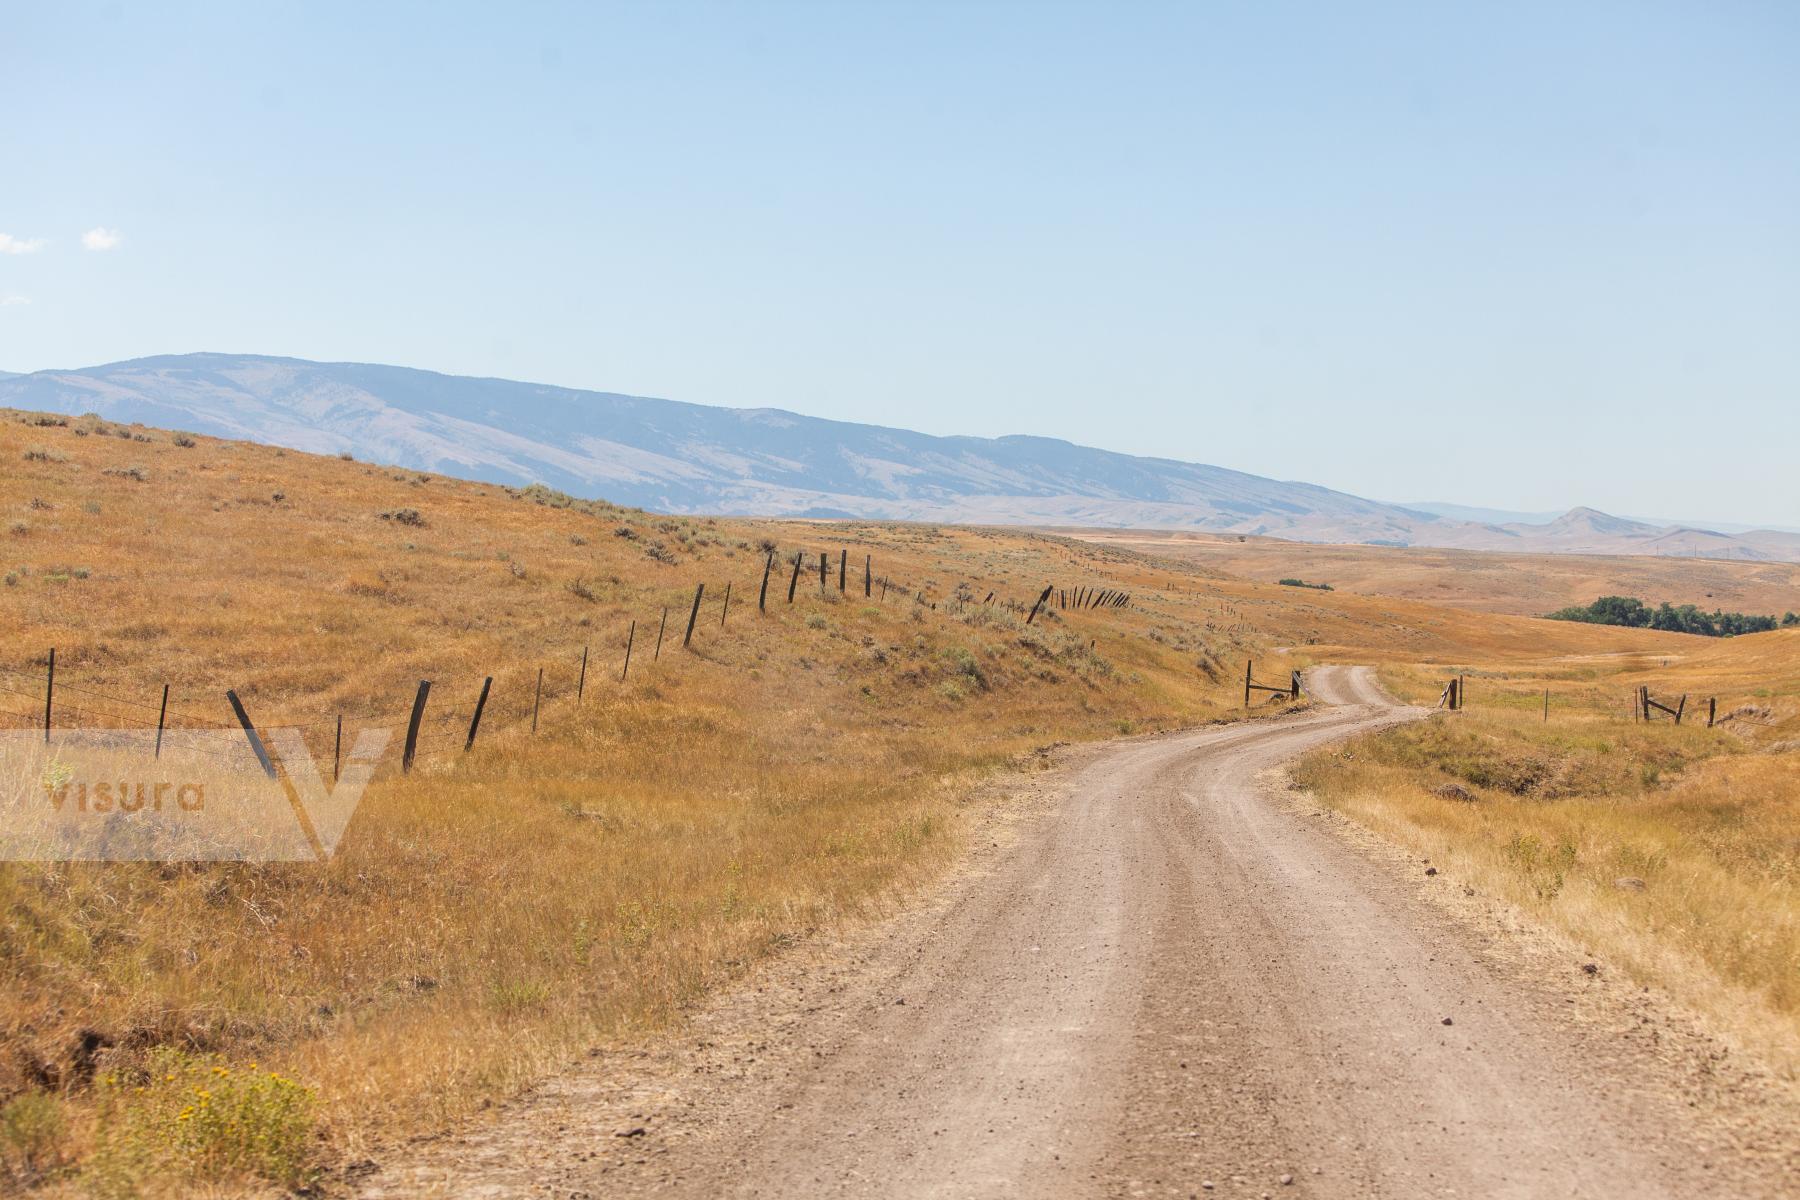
{"x":12,"y":245}
{"x":101,"y":238}
{"x":13,"y":301}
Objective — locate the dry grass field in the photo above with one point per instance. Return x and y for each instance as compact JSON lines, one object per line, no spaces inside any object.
{"x":1523,"y":584}
{"x":492,"y":914}
{"x":1671,"y":851}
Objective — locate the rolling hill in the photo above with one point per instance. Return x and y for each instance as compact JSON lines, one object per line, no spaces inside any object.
{"x":689,"y":458}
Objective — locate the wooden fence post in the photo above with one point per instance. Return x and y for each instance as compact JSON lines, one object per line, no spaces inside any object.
{"x":412,"y":725}
{"x":337,"y":750}
{"x":1294,"y":685}
{"x":868,"y":575}
{"x":799,"y":557}
{"x":1249,"y":664}
{"x":824,"y":568}
{"x":1034,"y":608}
{"x":1712,"y":711}
{"x":49,"y":690}
{"x":1680,"y":707}
{"x":843,"y":567}
{"x":537,"y":699}
{"x":581,"y":684}
{"x":161,"y":716}
{"x":1546,"y":706}
{"x":762,"y":597}
{"x":723,"y":612}
{"x":657,"y":654}
{"x":693,"y":616}
{"x":1462,"y":684}
{"x":480,"y":706}
{"x":630,"y":636}
{"x":262,"y":755}
{"x":884,"y":589}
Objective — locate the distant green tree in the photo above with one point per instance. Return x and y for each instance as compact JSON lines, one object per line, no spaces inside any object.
{"x":1633,"y":613}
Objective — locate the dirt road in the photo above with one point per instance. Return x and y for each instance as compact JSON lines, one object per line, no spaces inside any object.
{"x":1170,"y":982}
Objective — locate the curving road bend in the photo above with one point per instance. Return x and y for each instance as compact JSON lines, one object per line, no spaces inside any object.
{"x":1175,"y":985}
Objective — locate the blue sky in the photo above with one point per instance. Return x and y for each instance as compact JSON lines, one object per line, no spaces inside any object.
{"x":1518,"y":255}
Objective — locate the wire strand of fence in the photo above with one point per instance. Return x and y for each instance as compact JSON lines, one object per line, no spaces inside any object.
{"x":440,"y":729}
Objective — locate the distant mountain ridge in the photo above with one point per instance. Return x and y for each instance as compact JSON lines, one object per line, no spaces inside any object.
{"x":678,"y":457}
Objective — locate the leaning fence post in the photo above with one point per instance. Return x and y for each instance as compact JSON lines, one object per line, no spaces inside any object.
{"x":475,"y":721}
{"x":664,"y":624}
{"x":1034,"y":608}
{"x":49,"y":690}
{"x":725,"y":611}
{"x":412,"y":725}
{"x":693,"y":616}
{"x":762,"y":597}
{"x":161,"y":717}
{"x":630,"y":636}
{"x":581,"y":684}
{"x":537,"y":699}
{"x":262,"y":755}
{"x":1680,"y":707}
{"x":799,"y":558}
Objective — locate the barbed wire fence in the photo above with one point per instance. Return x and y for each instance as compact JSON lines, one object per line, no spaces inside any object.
{"x":41,"y":698}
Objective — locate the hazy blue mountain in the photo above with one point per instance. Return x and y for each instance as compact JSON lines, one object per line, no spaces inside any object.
{"x":1482,"y":516}
{"x":675,"y":457}
{"x":1502,"y":516}
{"x":679,"y":457}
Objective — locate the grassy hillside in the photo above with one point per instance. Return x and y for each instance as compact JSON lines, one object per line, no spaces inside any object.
{"x":1523,"y":584}
{"x":493,"y":913}
{"x":1670,"y":850}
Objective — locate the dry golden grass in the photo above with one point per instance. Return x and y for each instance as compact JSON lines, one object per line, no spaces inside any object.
{"x":1522,"y":584}
{"x":490,"y":915}
{"x":1670,"y":850}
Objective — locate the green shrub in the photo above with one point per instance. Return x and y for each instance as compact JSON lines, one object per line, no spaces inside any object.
{"x":31,"y":1138}
{"x":965,"y":664}
{"x":1633,"y":613}
{"x":200,"y":1119}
